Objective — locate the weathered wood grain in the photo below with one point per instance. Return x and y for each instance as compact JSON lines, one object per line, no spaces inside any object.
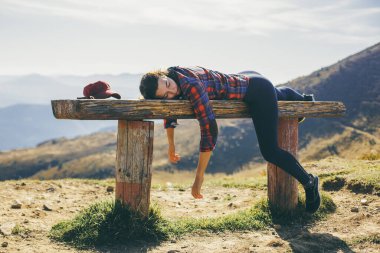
{"x":135,"y":139}
{"x":101,"y":109}
{"x":282,"y":187}
{"x":133,"y":163}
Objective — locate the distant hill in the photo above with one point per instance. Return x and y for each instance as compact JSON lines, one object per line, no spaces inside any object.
{"x":26,"y":118}
{"x":27,"y":125}
{"x":94,"y":155}
{"x":354,"y":80}
{"x":40,"y":89}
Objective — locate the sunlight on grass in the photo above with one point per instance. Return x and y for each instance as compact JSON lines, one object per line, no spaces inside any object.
{"x":363,"y":177}
{"x":373,"y":238}
{"x":258,"y":183}
{"x":113,"y":223}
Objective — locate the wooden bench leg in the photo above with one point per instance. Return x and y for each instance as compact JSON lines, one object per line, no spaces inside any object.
{"x":133,"y":164}
{"x":282,"y":188}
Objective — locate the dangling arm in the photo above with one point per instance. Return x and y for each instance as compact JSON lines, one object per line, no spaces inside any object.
{"x":209,"y":130}
{"x":170,"y":124}
{"x":204,"y":158}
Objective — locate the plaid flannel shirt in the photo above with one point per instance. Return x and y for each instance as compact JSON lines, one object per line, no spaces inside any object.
{"x":200,"y":85}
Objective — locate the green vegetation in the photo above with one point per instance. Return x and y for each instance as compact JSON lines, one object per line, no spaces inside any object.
{"x":370,"y":156}
{"x":20,"y":230}
{"x":101,"y":182}
{"x":166,"y":187}
{"x":334,"y":183}
{"x":364,"y":178}
{"x":256,"y":183}
{"x":228,"y":197}
{"x":330,"y":174}
{"x":113,"y":223}
{"x":371,"y":238}
{"x":108,"y":222}
{"x":364,"y":185}
{"x":300,"y":216}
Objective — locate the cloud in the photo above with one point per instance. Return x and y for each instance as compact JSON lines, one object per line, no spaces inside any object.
{"x":334,"y":21}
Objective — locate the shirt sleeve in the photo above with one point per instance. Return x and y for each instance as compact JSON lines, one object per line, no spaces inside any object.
{"x":170,"y":123}
{"x":203,"y":112}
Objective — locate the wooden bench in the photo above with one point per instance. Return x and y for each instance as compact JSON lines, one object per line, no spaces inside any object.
{"x":135,"y":139}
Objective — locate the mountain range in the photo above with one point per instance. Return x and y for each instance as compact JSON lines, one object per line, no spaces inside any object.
{"x":354,"y":80}
{"x":25,"y":110}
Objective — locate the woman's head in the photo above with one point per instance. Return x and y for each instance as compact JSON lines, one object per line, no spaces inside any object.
{"x":157,"y":85}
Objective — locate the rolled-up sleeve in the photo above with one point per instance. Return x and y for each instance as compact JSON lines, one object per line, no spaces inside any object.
{"x":170,"y":123}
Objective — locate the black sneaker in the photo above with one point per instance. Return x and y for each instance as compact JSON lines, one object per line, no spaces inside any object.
{"x":313,"y":199}
{"x":306,"y":97}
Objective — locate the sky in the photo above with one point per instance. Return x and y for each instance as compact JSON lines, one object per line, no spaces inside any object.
{"x":281,"y":39}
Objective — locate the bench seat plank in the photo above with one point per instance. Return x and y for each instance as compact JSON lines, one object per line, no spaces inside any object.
{"x":103,"y":109}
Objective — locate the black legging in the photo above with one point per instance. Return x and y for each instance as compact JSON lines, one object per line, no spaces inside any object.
{"x":261,"y":98}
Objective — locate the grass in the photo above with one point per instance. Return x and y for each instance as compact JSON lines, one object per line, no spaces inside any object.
{"x":254,"y":218}
{"x":358,"y":176}
{"x":255,"y":182}
{"x":255,"y":179}
{"x":330,"y":174}
{"x":89,"y":181}
{"x":108,"y":222}
{"x":300,"y":216}
{"x":363,"y":179}
{"x":370,"y":156}
{"x":228,"y":197}
{"x":373,"y":238}
{"x":170,"y":186}
{"x":20,"y":230}
{"x":334,"y":183}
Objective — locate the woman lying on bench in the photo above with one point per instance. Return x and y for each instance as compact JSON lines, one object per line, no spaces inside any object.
{"x":200,"y":85}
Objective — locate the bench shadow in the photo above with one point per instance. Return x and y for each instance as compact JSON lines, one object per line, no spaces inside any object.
{"x":301,"y":240}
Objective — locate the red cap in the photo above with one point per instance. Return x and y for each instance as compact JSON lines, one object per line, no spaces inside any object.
{"x":99,"y":89}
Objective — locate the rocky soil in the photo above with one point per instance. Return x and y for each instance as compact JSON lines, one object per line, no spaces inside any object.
{"x":29,"y":208}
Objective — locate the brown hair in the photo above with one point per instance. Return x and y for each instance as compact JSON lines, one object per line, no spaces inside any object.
{"x":149,"y":83}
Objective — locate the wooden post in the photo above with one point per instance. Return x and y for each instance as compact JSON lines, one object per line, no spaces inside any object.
{"x":133,"y":164}
{"x":282,"y":188}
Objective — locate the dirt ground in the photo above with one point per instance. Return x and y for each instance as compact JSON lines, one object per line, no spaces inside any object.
{"x":65,"y":198}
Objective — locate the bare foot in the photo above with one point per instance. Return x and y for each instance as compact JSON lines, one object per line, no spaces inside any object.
{"x":196,"y":189}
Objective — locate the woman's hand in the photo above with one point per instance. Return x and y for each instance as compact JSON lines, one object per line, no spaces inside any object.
{"x":196,"y":189}
{"x":173,"y":157}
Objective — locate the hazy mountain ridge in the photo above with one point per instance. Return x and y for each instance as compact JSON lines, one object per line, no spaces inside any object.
{"x":31,"y":121}
{"x":355,"y":81}
{"x":94,"y":155}
{"x":27,"y":125}
{"x":40,"y":89}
